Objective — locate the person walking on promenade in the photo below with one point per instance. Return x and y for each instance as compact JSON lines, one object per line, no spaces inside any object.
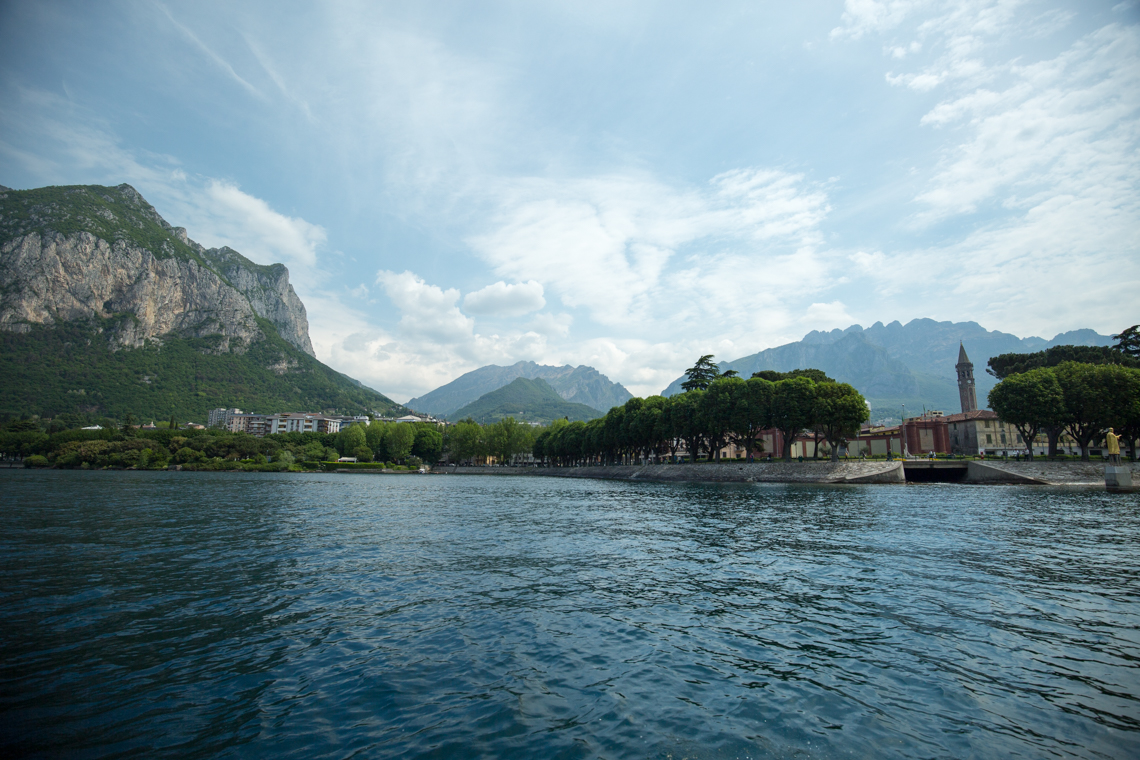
{"x":1112,"y":442}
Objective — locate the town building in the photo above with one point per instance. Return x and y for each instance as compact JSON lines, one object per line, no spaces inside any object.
{"x":251,"y":424}
{"x":982,"y":432}
{"x":878,"y":440}
{"x":292,"y":422}
{"x":925,"y":434}
{"x":221,"y":417}
{"x":347,"y":420}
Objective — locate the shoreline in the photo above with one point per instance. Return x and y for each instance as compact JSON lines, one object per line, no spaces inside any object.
{"x":1077,"y":474}
{"x":876,"y":472}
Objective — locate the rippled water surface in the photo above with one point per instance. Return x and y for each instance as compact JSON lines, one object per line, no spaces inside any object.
{"x":231,"y":615}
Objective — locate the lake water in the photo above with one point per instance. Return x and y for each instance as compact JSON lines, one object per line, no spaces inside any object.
{"x":310,"y":616}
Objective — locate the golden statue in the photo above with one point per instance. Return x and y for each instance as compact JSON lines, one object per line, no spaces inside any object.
{"x":1112,"y":442}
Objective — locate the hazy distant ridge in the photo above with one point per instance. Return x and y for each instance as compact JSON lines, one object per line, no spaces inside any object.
{"x":527,"y":400}
{"x":895,"y":364}
{"x":582,"y":385}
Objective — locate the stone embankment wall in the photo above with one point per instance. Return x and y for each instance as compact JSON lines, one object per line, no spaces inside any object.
{"x":736,"y":472}
{"x":988,"y":472}
{"x":1060,"y":473}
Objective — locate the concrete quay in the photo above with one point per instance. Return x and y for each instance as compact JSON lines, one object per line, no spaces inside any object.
{"x":993,"y":472}
{"x":731,"y":472}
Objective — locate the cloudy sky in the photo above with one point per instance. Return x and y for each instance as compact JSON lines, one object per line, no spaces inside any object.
{"x":621,"y":184}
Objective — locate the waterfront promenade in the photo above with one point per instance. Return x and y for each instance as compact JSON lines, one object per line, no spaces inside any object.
{"x":1038,"y":472}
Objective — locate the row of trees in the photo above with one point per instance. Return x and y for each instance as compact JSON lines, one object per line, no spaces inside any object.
{"x":464,"y":441}
{"x":391,"y":442}
{"x":1080,"y":390}
{"x":131,"y":447}
{"x":715,"y":409}
{"x":506,"y":439}
{"x":1080,"y":399}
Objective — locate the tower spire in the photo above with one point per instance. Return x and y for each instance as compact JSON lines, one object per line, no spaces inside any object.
{"x":966,"y":391}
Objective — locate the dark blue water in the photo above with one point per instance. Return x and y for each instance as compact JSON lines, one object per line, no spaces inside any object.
{"x":230,"y":615}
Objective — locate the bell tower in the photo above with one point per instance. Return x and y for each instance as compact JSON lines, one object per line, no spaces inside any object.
{"x":966,"y":381}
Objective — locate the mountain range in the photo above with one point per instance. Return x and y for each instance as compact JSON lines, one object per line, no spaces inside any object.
{"x":895,"y":364}
{"x":527,"y":400}
{"x":106,"y":308}
{"x":580,"y":385}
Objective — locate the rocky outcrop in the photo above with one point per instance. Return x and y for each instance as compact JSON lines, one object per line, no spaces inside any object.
{"x":76,"y":253}
{"x":269,"y":293}
{"x":53,"y":278}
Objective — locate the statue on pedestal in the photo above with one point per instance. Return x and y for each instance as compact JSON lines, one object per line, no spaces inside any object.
{"x":1112,"y":443}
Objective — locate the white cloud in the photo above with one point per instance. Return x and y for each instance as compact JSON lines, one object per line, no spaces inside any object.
{"x":225,"y":215}
{"x":222,"y":64}
{"x":502,"y":300}
{"x":552,"y":324}
{"x":861,"y":17}
{"x":427,"y":311}
{"x":829,"y":314}
{"x":1066,"y":126}
{"x":631,"y":248}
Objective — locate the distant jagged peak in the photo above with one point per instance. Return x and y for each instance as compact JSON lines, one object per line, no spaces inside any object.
{"x":581,"y":384}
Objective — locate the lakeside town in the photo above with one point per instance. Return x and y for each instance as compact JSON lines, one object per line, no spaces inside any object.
{"x":797,"y":416}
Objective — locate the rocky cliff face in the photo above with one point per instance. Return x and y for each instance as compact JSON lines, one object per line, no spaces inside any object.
{"x":269,"y":293}
{"x":53,"y":278}
{"x":76,"y":253}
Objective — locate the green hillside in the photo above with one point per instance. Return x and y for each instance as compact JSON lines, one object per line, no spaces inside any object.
{"x":70,"y":367}
{"x":527,"y":401}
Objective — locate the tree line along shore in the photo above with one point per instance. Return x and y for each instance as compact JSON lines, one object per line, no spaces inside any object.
{"x":1049,"y":392}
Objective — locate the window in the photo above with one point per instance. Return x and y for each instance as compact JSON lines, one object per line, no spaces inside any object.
{"x":989,"y":438}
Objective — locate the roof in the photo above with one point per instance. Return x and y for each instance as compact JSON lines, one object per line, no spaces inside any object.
{"x":978,"y":414}
{"x":962,"y":358}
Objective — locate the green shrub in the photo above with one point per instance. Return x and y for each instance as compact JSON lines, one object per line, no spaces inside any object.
{"x":35,"y":460}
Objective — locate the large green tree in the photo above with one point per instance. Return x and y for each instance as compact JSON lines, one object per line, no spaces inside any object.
{"x":1004,"y":365}
{"x":701,"y":375}
{"x":428,"y":444}
{"x":684,"y":412}
{"x":793,"y":409}
{"x":751,"y":412}
{"x":716,"y":412}
{"x":815,"y":375}
{"x":1096,"y":397}
{"x":1128,"y":341}
{"x":465,"y":440}
{"x":398,"y":440}
{"x":1031,"y":401}
{"x":839,"y":411}
{"x":350,"y":439}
